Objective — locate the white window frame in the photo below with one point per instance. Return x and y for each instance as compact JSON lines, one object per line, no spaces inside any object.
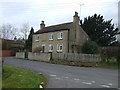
{"x":50,"y":47}
{"x":51,"y":36}
{"x":37,"y":38}
{"x":60,"y":35}
{"x":58,"y":47}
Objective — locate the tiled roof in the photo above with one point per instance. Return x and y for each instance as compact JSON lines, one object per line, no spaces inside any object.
{"x":59,"y":27}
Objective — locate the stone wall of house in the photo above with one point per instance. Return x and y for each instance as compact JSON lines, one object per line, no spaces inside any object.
{"x":44,"y":39}
{"x":77,"y":36}
{"x":76,"y":57}
{"x":20,"y":55}
{"x":39,"y":56}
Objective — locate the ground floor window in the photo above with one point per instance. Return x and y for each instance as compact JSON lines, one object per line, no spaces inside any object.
{"x":59,"y":47}
{"x":50,"y":47}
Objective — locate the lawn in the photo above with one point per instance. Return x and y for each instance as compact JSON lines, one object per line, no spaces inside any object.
{"x":14,"y":77}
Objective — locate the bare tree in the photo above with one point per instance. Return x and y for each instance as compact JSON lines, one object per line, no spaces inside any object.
{"x":8,"y":31}
{"x":25,"y":30}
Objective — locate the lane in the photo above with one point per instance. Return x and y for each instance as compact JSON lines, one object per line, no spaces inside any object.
{"x":62,"y":76}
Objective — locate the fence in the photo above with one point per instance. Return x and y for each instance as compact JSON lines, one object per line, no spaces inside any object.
{"x":77,"y":57}
{"x":5,"y":53}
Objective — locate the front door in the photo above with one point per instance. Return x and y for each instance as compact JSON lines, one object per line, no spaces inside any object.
{"x":43,"y":48}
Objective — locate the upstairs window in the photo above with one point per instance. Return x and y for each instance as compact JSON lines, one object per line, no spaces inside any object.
{"x":50,"y":47}
{"x":60,"y":35}
{"x":59,"y":47}
{"x":37,"y":38}
{"x":51,"y":37}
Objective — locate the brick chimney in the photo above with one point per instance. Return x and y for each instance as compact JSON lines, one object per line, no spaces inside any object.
{"x":76,"y":18}
{"x":42,"y":25}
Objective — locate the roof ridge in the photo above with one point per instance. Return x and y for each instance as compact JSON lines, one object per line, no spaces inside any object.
{"x":60,"y":24}
{"x":56,"y":27}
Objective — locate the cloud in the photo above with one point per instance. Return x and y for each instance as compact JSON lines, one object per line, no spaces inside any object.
{"x":54,"y":11}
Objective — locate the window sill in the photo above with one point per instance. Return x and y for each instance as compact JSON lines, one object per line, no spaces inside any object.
{"x":60,"y":38}
{"x":50,"y":51}
{"x":51,"y":39}
{"x":36,"y":40}
{"x":59,"y":50}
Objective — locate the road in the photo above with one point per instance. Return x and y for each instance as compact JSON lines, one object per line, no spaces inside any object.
{"x":62,"y":76}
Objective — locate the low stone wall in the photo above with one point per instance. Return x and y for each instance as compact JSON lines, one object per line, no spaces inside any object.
{"x":20,"y":55}
{"x":39,"y":56}
{"x":60,"y":56}
{"x":76,"y":57}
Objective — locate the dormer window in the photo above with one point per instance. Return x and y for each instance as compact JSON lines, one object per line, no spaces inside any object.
{"x":60,"y":35}
{"x":51,"y":37}
{"x":37,"y":38}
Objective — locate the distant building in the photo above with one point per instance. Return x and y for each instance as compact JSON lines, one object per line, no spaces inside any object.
{"x":62,"y":38}
{"x":11,"y":44}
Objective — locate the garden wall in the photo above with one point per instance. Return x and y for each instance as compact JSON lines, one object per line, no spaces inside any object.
{"x":60,"y":56}
{"x":20,"y":55}
{"x":76,"y":57}
{"x":39,"y":56}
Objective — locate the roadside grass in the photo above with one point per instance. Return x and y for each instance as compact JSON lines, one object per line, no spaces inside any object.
{"x":108,"y":65}
{"x":14,"y":77}
{"x":74,"y":63}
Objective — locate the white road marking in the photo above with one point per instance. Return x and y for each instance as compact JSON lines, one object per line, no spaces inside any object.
{"x":105,"y":86}
{"x":93,"y":81}
{"x":86,"y":83}
{"x":53,"y":75}
{"x":76,"y":79}
{"x":110,"y":84}
{"x":65,"y":77}
{"x":57,"y":78}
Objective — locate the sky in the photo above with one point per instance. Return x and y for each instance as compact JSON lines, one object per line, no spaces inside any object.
{"x":18,"y":12}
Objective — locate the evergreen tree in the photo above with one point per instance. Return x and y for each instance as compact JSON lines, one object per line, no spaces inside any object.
{"x":99,"y":30}
{"x":28,"y":44}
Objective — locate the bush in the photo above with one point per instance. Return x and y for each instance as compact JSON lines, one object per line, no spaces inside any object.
{"x":90,"y":47}
{"x":37,"y":49}
{"x":108,"y":53}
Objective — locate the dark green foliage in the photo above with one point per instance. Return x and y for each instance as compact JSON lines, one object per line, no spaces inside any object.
{"x":28,"y":42}
{"x":99,"y":30}
{"x":107,"y":53}
{"x":90,"y":47}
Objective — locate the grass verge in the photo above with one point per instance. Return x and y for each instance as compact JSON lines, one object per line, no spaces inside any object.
{"x":110,"y":65}
{"x":14,"y":77}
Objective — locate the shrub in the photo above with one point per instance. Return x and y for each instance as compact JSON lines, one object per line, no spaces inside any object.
{"x":37,"y":49}
{"x":90,"y":47}
{"x":108,"y":53}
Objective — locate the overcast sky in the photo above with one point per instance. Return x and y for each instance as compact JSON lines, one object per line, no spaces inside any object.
{"x":54,"y":12}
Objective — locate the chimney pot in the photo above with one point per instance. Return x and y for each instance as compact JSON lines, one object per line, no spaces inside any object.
{"x":76,"y":18}
{"x":42,"y":25}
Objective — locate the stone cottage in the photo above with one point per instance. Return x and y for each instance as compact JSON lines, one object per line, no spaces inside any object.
{"x":62,"y":38}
